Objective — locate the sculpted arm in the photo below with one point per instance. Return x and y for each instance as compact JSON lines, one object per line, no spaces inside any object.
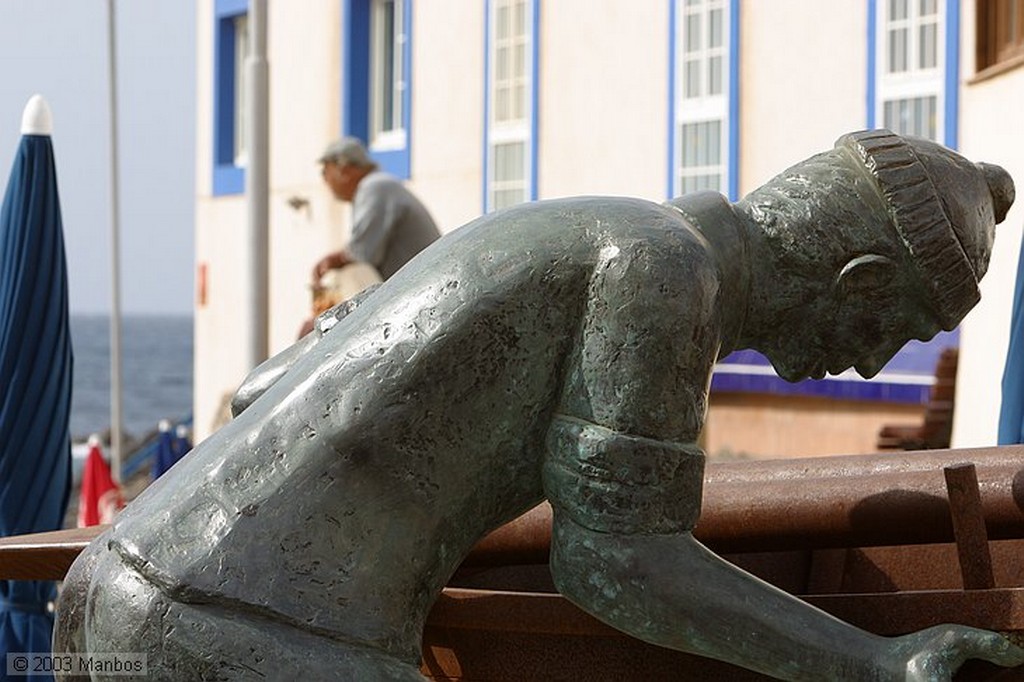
{"x":624,"y":475}
{"x":267,"y":374}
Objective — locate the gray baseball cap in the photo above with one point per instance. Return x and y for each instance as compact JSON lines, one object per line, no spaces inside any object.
{"x":347,"y":150}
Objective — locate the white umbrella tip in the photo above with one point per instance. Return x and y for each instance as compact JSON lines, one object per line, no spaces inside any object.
{"x":37,"y":119}
{"x":94,"y":440}
{"x":164,"y":426}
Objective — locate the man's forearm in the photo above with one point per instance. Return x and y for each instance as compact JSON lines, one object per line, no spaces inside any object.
{"x":336,"y":259}
{"x":622,"y":550}
{"x":671,"y":591}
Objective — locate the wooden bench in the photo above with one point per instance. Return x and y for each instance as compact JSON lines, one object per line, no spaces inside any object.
{"x":937,"y":426}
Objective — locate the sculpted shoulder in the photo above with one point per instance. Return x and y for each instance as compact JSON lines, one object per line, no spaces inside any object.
{"x":570,"y":231}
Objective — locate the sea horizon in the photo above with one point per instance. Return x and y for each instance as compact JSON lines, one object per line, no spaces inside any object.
{"x":156,"y":371}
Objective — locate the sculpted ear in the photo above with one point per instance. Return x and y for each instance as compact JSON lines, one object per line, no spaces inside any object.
{"x":870,"y":272}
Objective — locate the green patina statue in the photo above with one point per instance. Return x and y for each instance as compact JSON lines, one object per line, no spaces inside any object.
{"x":558,"y":350}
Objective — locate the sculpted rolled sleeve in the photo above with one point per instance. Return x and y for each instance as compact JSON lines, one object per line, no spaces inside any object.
{"x":620,"y":483}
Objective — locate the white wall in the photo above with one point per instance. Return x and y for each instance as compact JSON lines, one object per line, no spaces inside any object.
{"x":448,"y":109}
{"x":304,"y":56}
{"x":219,"y":237}
{"x":803,"y":74}
{"x":304,"y":59}
{"x":990,"y":131}
{"x":603,"y":98}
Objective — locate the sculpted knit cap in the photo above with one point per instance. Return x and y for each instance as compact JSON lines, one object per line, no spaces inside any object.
{"x":944,"y":209}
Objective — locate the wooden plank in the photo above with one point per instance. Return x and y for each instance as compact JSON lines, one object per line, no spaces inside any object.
{"x":43,"y":556}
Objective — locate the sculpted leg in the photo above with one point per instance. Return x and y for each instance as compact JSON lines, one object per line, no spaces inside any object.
{"x":108,"y":607}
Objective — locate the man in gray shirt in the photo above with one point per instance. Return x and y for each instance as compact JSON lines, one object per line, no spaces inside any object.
{"x":389,"y":224}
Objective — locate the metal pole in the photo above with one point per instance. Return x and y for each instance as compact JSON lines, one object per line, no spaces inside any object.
{"x":257,"y":182}
{"x":115,"y":259}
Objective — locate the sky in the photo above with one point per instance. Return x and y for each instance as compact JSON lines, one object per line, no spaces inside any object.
{"x":59,"y":49}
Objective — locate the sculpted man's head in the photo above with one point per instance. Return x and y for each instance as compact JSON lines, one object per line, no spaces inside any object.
{"x":343,"y":164}
{"x":901,"y":234}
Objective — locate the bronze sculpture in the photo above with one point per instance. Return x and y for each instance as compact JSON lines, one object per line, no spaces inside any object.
{"x":563,"y":350}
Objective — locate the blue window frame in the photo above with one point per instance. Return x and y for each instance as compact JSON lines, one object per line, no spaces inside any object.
{"x":511,"y":58}
{"x":228,"y":135}
{"x":377,"y":80}
{"x":703,"y":102}
{"x":913,"y":67}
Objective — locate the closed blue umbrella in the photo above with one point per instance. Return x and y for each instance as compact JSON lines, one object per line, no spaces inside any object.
{"x":182,"y":442}
{"x":1011,"y":413}
{"x":164,"y":457}
{"x":35,"y":374}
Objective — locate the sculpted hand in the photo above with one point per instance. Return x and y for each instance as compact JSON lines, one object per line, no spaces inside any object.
{"x":933,"y":655}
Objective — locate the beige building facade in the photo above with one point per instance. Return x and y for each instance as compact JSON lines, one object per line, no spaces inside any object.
{"x":478,"y":104}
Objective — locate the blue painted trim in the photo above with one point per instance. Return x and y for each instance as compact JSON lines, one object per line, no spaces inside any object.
{"x":734,"y":101}
{"x":355,"y":75}
{"x":534,"y":98}
{"x":356,"y":87}
{"x":487,"y":107}
{"x":874,"y":391}
{"x":228,"y":180}
{"x":673,"y":47}
{"x":227,"y":177}
{"x":872,"y":62}
{"x":951,"y":96}
{"x":916,"y":359}
{"x":232,"y":7}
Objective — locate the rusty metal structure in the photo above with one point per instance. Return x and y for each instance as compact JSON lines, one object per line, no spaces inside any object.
{"x":889,"y":542}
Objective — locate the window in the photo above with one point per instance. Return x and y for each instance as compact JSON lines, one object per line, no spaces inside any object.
{"x":915,"y":116}
{"x":702,"y":131}
{"x":377,"y":56}
{"x":1000,"y":38}
{"x":510,"y":126}
{"x":914,"y":74}
{"x":241,"y":152}
{"x":387,"y":65}
{"x":231,"y":45}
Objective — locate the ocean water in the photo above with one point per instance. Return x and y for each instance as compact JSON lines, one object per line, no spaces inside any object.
{"x":156,"y":372}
